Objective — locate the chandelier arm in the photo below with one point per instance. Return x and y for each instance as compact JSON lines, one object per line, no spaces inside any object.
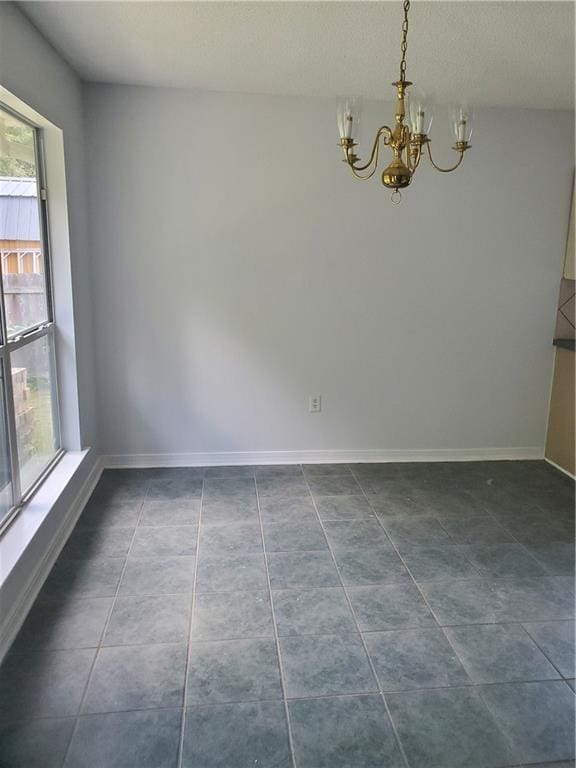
{"x":366,"y":176}
{"x":444,"y":170}
{"x":373,"y":155}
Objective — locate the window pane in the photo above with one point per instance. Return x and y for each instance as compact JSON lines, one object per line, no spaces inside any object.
{"x":6,"y":500}
{"x":33,"y":403}
{"x":21,"y":250}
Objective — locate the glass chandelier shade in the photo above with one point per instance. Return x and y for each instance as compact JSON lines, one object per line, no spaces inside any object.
{"x":349,"y":113}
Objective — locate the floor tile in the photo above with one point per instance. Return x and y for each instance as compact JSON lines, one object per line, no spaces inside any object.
{"x":337,"y":485}
{"x":390,"y":469}
{"x":325,"y":470}
{"x":556,"y":640}
{"x":325,"y":666}
{"x":35,"y":743}
{"x":233,"y":471}
{"x":349,"y":534}
{"x":414,"y":658}
{"x":273,"y":510}
{"x":343,"y":732}
{"x":421,"y":532}
{"x":312,"y":612}
{"x":475,"y":530}
{"x":158,"y":576}
{"x":220,"y":489}
{"x":503,"y":560}
{"x":160,"y":513}
{"x":389,"y":606}
{"x":83,"y":578}
{"x":239,"y":735}
{"x":294,"y":536}
{"x":563,"y":764}
{"x":61,"y":625}
{"x":43,"y":683}
{"x":472,"y":601}
{"x":448,"y":728}
{"x":398,"y":504}
{"x":442,"y":562}
{"x":344,"y":508}
{"x":146,"y":620}
{"x":148,"y":739}
{"x":165,"y":541}
{"x":87,"y":543}
{"x":231,"y":615}
{"x":302,"y":569}
{"x":375,"y":485}
{"x":183,"y":475}
{"x":537,"y":718}
{"x":282,"y":487}
{"x":453,"y":504}
{"x":232,"y":539}
{"x":541,"y":598}
{"x":117,"y":493}
{"x":378,"y":565}
{"x":231,"y":573}
{"x":136,"y":677}
{"x":119,"y":515}
{"x":175,"y":489}
{"x":557,"y":558}
{"x":541,"y":529}
{"x":227,"y":511}
{"x":277,"y":470}
{"x":233,"y":671}
{"x":499,"y":653}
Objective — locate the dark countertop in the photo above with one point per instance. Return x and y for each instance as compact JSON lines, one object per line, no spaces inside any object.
{"x":565,"y":344}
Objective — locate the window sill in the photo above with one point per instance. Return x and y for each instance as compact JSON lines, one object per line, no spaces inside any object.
{"x":24,"y":528}
{"x":33,"y":541}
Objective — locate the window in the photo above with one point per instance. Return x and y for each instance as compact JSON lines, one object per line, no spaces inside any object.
{"x":29,"y":421}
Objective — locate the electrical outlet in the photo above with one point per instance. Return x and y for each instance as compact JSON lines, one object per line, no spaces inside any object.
{"x":315,"y":403}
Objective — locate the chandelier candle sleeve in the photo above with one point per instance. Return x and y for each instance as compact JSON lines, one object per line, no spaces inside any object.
{"x":406,"y":142}
{"x":349,"y":111}
{"x":462,"y":123}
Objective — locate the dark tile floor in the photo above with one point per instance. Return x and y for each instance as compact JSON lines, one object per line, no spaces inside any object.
{"x":364,"y":616}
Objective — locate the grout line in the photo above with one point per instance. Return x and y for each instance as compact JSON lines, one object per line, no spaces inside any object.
{"x":542,"y":650}
{"x":362,"y":640}
{"x":189,"y":641}
{"x":105,"y":628}
{"x":276,"y":636}
{"x":399,"y":555}
{"x":461,"y":686}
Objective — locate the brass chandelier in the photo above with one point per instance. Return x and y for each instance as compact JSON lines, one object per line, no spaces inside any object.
{"x":406,"y":143}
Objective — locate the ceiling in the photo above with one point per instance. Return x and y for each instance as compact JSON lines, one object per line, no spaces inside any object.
{"x":513,"y":53}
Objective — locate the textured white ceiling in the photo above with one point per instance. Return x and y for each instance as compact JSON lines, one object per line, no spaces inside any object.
{"x":512,"y":53}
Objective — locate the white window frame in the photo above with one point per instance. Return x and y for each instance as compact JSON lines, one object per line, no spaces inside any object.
{"x":59,"y":325}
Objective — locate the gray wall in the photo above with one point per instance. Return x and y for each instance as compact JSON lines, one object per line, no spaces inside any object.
{"x":238,"y":268}
{"x":33,"y":71}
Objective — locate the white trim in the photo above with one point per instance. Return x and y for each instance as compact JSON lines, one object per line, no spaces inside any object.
{"x":52,"y":139}
{"x":14,"y":619}
{"x":143,"y":460}
{"x":559,"y":468}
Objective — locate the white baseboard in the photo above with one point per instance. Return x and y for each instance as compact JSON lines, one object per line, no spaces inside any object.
{"x":14,"y":619}
{"x":560,"y":469}
{"x":143,"y":460}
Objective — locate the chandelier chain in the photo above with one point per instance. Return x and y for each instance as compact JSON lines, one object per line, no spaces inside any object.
{"x":404,"y":45}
